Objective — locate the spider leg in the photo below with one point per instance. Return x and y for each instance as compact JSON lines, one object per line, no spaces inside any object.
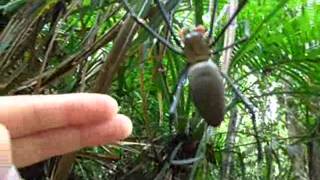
{"x":247,"y":103}
{"x":150,"y":30}
{"x":240,"y":41}
{"x":181,"y":162}
{"x":168,"y":23}
{"x":177,"y":95}
{"x":213,"y":16}
{"x":240,"y":7}
{"x":250,"y":107}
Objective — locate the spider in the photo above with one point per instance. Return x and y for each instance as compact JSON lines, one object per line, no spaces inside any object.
{"x":204,"y":76}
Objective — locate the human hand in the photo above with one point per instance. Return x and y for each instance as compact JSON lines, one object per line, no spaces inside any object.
{"x":43,"y":126}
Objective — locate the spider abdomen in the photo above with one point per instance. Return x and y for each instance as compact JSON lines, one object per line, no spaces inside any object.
{"x":207,"y":91}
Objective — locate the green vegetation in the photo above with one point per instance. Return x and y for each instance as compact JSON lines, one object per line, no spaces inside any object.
{"x":53,"y":46}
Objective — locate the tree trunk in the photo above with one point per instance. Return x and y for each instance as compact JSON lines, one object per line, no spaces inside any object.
{"x":314,"y":156}
{"x":296,"y":151}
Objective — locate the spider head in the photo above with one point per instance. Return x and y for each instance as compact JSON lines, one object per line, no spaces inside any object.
{"x":196,"y":47}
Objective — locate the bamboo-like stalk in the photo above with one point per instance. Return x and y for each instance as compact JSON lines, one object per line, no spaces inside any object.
{"x":226,"y":58}
{"x":116,"y":56}
{"x":229,"y":39}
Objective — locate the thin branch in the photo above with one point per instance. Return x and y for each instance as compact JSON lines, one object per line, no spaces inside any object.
{"x":56,"y":27}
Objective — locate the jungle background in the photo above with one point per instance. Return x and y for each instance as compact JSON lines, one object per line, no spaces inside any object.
{"x":67,"y":46}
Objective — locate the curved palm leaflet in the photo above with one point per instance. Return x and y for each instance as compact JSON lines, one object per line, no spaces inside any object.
{"x":204,"y":76}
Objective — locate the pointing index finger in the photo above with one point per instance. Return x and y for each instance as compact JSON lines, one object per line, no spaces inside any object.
{"x":24,"y":115}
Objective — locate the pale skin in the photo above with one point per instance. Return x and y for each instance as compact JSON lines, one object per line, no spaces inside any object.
{"x":43,"y":126}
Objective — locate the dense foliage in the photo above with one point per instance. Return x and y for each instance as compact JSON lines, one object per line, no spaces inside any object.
{"x":65,"y":46}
